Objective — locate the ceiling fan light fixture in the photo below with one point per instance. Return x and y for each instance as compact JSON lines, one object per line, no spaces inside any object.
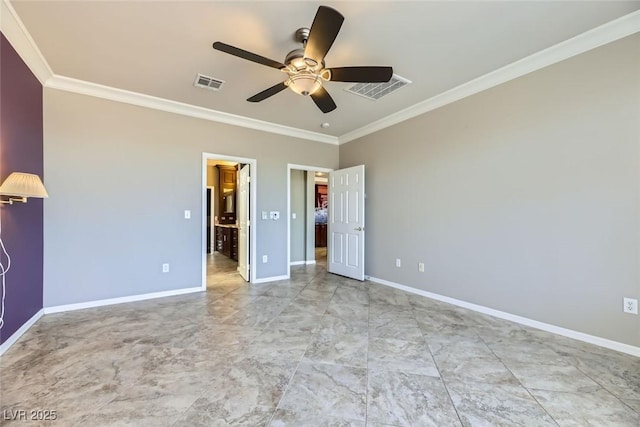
{"x":304,"y":83}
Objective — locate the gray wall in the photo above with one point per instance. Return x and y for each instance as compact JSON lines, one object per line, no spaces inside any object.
{"x":523,"y":198}
{"x":119,"y":178}
{"x":298,"y":206}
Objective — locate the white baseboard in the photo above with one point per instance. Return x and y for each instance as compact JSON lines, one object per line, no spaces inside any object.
{"x":17,"y":334}
{"x":569,"y":333}
{"x":121,"y":300}
{"x":308,"y":262}
{"x":271,"y":279}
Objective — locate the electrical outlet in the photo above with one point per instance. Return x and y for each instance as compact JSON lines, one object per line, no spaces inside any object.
{"x":398,"y":262}
{"x":265,"y":259}
{"x":630,"y":305}
{"x":275,"y":215}
{"x":165,"y":268}
{"x":187,"y":214}
{"x":421,"y":267}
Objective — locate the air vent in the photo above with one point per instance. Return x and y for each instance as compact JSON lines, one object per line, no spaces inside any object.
{"x":375,"y":91}
{"x":208,"y":82}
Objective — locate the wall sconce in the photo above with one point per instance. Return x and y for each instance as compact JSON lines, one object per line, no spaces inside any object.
{"x":18,"y":186}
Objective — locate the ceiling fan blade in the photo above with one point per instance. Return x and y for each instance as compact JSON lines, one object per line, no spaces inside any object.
{"x":323,"y":100}
{"x":241,"y":53}
{"x":323,"y":32}
{"x":361,"y":74}
{"x":267,"y":92}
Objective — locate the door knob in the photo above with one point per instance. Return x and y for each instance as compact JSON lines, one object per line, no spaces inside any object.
{"x":359,"y":228}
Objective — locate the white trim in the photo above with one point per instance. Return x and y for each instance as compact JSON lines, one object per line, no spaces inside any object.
{"x":120,"y":300}
{"x":270,"y":279}
{"x":309,"y":168}
{"x":290,"y":167}
{"x":17,"y":334}
{"x":606,"y":33}
{"x":253,"y":201}
{"x":580,"y":336}
{"x":114,"y":94}
{"x":310,"y":262}
{"x":212,"y":205}
{"x":17,"y":34}
{"x":298,"y":263}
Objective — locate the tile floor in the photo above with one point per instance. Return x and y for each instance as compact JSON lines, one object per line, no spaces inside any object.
{"x":317,"y":350}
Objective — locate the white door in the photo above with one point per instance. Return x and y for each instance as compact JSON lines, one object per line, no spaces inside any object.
{"x":243,"y":222}
{"x":346,"y":222}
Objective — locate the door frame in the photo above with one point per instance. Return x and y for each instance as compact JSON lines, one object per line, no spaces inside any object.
{"x":253,"y":197}
{"x":290,"y":167}
{"x":212,"y":205}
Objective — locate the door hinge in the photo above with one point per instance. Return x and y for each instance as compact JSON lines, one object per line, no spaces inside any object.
{"x":248,"y":223}
{"x":249,"y":178}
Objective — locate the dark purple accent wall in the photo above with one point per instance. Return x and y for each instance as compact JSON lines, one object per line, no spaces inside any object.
{"x":20,"y":151}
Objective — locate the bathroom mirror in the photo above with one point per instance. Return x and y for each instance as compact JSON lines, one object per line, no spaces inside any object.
{"x":229,"y":202}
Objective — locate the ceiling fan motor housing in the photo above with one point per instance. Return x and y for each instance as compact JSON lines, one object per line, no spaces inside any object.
{"x":302,"y":35}
{"x":305,"y":67}
{"x":305,"y":74}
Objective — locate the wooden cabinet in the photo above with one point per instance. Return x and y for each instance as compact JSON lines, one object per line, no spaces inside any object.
{"x":219,"y":239}
{"x":227,"y":242}
{"x":233,"y":244}
{"x":321,"y":235}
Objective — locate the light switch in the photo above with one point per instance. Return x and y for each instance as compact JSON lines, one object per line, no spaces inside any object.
{"x":293,"y":215}
{"x":275,"y":215}
{"x":264,"y":215}
{"x":187,"y":214}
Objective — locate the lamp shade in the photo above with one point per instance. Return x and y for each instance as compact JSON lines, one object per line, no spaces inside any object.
{"x":23,"y":185}
{"x":304,"y":83}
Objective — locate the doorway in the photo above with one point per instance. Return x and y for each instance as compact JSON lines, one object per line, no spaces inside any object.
{"x":345,"y":219}
{"x":228,"y":234}
{"x":307,"y":215}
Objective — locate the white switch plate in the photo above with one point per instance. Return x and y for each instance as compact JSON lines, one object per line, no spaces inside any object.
{"x":398,"y":262}
{"x":187,"y":214}
{"x":265,"y":259}
{"x":630,"y":305}
{"x":264,"y":215}
{"x":165,"y":268}
{"x":275,"y":215}
{"x":421,"y":267}
{"x":293,"y":215}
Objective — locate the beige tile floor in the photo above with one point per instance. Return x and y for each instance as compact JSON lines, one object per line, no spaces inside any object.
{"x":316,"y":350}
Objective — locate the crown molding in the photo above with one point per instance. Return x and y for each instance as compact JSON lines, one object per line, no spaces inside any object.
{"x":106,"y":92}
{"x":596,"y":37}
{"x":17,"y":34}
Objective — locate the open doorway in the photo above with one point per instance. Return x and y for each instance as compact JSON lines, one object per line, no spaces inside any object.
{"x":307,"y":215}
{"x":321,"y":214}
{"x":228,"y":234}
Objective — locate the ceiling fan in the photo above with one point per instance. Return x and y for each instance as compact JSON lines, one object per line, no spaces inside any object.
{"x":305,"y":68}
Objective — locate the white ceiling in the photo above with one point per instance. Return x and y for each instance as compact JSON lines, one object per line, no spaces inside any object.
{"x":158,"y":47}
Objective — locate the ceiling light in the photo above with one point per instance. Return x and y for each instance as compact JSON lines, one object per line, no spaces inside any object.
{"x":304,"y":83}
{"x":325,"y":125}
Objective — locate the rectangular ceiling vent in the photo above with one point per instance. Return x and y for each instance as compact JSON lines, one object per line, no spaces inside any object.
{"x":375,"y":91}
{"x":208,"y":82}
